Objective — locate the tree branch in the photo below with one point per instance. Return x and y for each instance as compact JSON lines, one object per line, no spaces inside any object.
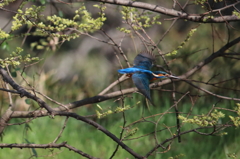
{"x":220,"y":52}
{"x":44,"y":146}
{"x":182,"y":133}
{"x":22,"y":91}
{"x":100,"y":98}
{"x":204,"y":18}
{"x":101,"y":128}
{"x":5,"y":119}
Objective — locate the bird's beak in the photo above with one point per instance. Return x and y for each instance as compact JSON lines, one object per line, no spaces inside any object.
{"x":171,"y":76}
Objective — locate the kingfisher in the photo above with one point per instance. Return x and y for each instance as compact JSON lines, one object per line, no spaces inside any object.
{"x":141,"y":73}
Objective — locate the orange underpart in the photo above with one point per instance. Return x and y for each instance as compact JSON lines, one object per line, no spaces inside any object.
{"x":153,"y":79}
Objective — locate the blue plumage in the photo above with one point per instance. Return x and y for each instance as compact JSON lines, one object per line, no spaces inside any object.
{"x":144,"y":60}
{"x":134,"y":70}
{"x":141,"y":81}
{"x":141,"y":74}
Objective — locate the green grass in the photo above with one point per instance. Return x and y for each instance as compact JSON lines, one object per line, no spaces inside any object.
{"x":91,"y":141}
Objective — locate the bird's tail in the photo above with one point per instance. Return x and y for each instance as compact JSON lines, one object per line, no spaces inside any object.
{"x":150,"y":100}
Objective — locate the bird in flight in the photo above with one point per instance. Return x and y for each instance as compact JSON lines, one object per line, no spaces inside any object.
{"x":141,"y":73}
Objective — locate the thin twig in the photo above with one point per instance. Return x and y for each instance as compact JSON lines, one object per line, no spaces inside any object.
{"x":60,"y":133}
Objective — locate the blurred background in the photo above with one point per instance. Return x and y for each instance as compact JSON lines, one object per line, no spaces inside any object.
{"x":83,"y":67}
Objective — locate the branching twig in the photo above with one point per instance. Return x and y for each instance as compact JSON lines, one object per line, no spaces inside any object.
{"x":22,"y":91}
{"x":171,"y":12}
{"x":101,"y":128}
{"x":182,"y":133}
{"x":44,"y":146}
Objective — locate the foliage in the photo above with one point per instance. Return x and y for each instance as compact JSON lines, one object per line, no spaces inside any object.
{"x":54,"y":26}
{"x":236,"y":120}
{"x":236,"y":13}
{"x":7,"y":2}
{"x":58,"y":56}
{"x":189,"y":35}
{"x":137,"y":20}
{"x":3,"y":34}
{"x":16,"y":59}
{"x":205,"y":120}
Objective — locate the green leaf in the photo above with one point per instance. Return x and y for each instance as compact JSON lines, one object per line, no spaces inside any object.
{"x":33,"y":149}
{"x":27,"y":101}
{"x":27,"y":141}
{"x":27,"y":127}
{"x":43,"y":2}
{"x":34,"y":152}
{"x":5,"y":46}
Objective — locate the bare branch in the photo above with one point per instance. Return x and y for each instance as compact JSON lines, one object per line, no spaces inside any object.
{"x":5,"y":119}
{"x":203,"y":18}
{"x":186,"y":132}
{"x":223,"y":8}
{"x":7,"y":90}
{"x":211,"y":93}
{"x":101,"y":128}
{"x":220,"y":52}
{"x":22,"y":91}
{"x":44,"y":146}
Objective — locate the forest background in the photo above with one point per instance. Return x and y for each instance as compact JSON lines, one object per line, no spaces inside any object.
{"x":61,"y":91}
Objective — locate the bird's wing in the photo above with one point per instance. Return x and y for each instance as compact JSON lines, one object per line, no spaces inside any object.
{"x":144,"y":60}
{"x":141,"y":81}
{"x":134,"y":70}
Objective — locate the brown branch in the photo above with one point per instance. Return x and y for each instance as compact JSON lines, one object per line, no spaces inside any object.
{"x":5,"y":119}
{"x":118,"y":47}
{"x":44,"y":146}
{"x":186,"y":132}
{"x":22,"y":91}
{"x":101,"y":128}
{"x":10,"y":91}
{"x":100,"y":98}
{"x":233,"y":53}
{"x":79,"y":152}
{"x":220,"y":52}
{"x":91,"y":100}
{"x":223,"y":8}
{"x":171,"y":12}
{"x":73,"y":115}
{"x":211,"y":93}
{"x":33,"y":145}
{"x":121,"y":79}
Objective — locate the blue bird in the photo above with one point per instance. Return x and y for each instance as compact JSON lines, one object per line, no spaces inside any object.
{"x":141,"y":74}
